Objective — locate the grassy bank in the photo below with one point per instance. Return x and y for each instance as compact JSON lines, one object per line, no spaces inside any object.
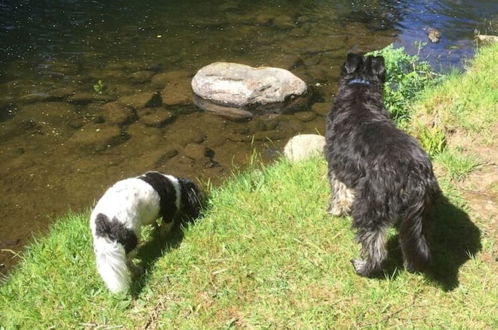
{"x":266,"y":255}
{"x":467,"y":103}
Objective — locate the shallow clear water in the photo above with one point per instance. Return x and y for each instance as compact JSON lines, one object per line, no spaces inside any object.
{"x":60,"y":147}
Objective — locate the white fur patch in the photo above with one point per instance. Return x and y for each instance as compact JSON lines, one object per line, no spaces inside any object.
{"x":111,"y":264}
{"x":176,"y":185}
{"x":342,"y":197}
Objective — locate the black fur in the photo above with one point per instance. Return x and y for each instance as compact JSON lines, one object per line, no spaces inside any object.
{"x":116,"y":231}
{"x":163,"y":186}
{"x":387,"y":172}
{"x":191,"y":199}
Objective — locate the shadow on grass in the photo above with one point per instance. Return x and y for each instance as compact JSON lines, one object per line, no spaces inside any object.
{"x":158,"y":245}
{"x":153,"y":249}
{"x":454,"y":240}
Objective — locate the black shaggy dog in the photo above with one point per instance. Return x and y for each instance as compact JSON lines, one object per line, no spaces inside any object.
{"x":377,"y":173}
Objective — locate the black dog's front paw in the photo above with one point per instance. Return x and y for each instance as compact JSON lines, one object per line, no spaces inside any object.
{"x":335,"y":211}
{"x":359,"y":266}
{"x":414,"y":269}
{"x":362,"y":268}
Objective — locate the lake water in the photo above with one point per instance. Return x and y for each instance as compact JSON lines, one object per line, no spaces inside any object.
{"x":60,"y":147}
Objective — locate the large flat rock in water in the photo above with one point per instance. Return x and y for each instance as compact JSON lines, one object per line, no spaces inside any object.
{"x":242,"y":86}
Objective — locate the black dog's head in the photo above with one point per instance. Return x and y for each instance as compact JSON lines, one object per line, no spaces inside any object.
{"x":366,"y":70}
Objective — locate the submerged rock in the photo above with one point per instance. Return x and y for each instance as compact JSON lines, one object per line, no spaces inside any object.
{"x":321,"y":108}
{"x":433,"y":35}
{"x":61,"y":92}
{"x":88,"y":97}
{"x":226,"y":111}
{"x":51,"y":112}
{"x":156,"y":118}
{"x":305,"y":116}
{"x":184,"y":136}
{"x":98,"y":137}
{"x":117,"y":114}
{"x":163,"y":78}
{"x":177,"y":93}
{"x":248,"y":89}
{"x":196,"y":151}
{"x":34,"y":97}
{"x":304,"y":146}
{"x":141,"y":76}
{"x":142,"y":100}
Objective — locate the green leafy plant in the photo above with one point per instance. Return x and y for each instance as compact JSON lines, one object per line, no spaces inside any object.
{"x":407,"y":77}
{"x":433,"y":140}
{"x":99,"y":87}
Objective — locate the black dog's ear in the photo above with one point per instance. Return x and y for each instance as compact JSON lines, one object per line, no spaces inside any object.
{"x":353,"y":62}
{"x":378,"y":67}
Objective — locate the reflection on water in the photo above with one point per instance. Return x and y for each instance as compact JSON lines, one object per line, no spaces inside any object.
{"x":64,"y":140}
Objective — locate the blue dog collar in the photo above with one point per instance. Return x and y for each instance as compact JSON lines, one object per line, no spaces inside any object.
{"x":359,"y":81}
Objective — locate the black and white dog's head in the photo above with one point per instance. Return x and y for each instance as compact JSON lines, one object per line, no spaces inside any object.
{"x":177,"y":195}
{"x":192,"y":198}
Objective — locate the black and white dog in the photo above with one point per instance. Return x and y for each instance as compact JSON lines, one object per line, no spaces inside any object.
{"x":377,"y":173}
{"x":128,"y":205}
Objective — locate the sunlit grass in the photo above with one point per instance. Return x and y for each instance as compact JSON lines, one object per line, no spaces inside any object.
{"x":467,"y":101}
{"x":265,"y":254}
{"x":457,"y":163}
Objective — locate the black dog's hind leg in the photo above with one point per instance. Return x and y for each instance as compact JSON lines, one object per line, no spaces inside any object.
{"x":371,"y":223}
{"x":341,"y":197}
{"x":413,"y":235}
{"x":373,"y":251}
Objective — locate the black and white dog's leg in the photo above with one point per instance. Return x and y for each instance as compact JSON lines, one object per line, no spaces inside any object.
{"x":341,"y":197}
{"x":373,"y":250}
{"x":165,"y":228}
{"x":134,"y":269}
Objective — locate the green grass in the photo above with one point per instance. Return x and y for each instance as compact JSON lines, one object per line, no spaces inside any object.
{"x":265,"y":255}
{"x":467,"y":102}
{"x":457,"y":163}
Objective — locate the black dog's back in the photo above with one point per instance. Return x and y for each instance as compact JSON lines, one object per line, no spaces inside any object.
{"x":389,"y":174}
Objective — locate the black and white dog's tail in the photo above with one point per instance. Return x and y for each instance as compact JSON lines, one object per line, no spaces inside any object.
{"x":111,"y":257}
{"x":413,"y":231}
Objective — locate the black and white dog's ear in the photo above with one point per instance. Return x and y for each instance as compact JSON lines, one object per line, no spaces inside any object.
{"x":192,"y":198}
{"x":353,"y":62}
{"x":378,"y":67}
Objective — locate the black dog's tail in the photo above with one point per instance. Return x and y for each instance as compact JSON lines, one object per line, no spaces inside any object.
{"x":413,"y":230}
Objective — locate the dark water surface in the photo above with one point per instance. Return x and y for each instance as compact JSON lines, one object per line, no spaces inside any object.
{"x":60,"y":146}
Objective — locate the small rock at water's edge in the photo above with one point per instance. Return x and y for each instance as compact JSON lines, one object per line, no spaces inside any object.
{"x":304,"y":146}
